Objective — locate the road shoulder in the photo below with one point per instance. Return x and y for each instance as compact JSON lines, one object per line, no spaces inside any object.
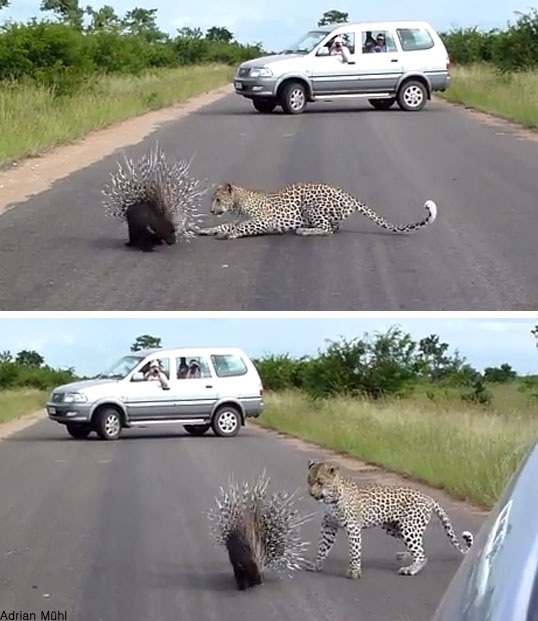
{"x":34,"y":175}
{"x":21,"y":422}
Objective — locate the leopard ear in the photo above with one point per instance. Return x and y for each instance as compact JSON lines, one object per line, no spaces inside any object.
{"x":333,"y":469}
{"x":227,"y":187}
{"x":311,"y":463}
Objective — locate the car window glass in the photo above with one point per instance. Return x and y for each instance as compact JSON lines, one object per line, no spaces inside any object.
{"x":377,"y":42}
{"x":228,"y":365}
{"x":164,"y":367}
{"x":413,"y":39}
{"x":349,"y":41}
{"x":192,"y":367}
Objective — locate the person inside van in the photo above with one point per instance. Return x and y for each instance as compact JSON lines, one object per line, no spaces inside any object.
{"x":155,"y":374}
{"x":194,"y":370}
{"x":379,"y":45}
{"x":339,"y":48}
{"x":183,"y":369}
{"x":369,"y":44}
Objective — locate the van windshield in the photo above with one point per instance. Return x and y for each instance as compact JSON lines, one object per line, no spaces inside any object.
{"x":122,"y":368}
{"x":306,"y":43}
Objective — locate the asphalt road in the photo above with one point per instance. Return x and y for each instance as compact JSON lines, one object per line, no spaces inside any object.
{"x":59,"y":252}
{"x":116,"y":531}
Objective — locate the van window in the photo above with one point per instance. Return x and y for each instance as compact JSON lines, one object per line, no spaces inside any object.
{"x":377,"y":41}
{"x":192,"y":367}
{"x":228,"y":365}
{"x":349,"y":42}
{"x":413,"y":39}
{"x":164,"y":366}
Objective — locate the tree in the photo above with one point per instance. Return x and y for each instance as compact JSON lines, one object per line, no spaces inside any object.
{"x":432,"y":356}
{"x":534,"y":332}
{"x":500,"y":375}
{"x":190,"y":33}
{"x":29,"y":358}
{"x":104,"y":18}
{"x":219,"y":35}
{"x":4,"y":4}
{"x":68,"y":11}
{"x":143,"y":23}
{"x":333,"y":17}
{"x":146,"y":341}
{"x":5,"y":357}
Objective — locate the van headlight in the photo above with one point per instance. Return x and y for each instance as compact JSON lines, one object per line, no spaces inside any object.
{"x":260,"y":72}
{"x":74,"y":397}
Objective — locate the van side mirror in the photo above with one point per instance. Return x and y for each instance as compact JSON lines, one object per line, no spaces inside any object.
{"x":138,"y":377}
{"x":323,"y":51}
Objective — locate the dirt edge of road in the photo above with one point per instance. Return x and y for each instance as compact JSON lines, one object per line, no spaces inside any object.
{"x":373,"y":473}
{"x":21,"y":422}
{"x":31,"y":176}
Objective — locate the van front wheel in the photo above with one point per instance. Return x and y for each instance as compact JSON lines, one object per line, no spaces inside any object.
{"x":108,"y":424}
{"x":293,"y":98}
{"x":196,"y":430}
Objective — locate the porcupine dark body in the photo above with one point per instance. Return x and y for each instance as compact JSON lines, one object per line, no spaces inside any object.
{"x":241,"y":554}
{"x":259,"y":531}
{"x":157,"y":198}
{"x":148,"y":227}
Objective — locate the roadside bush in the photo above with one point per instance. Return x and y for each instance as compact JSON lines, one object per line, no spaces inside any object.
{"x":17,"y":374}
{"x":512,"y":49}
{"x":63,"y":57}
{"x":373,"y":367}
{"x":46,"y":52}
{"x":479,"y":394}
{"x":281,"y":372}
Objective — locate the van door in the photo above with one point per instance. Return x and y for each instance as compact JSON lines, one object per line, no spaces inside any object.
{"x":193,"y":385}
{"x":330,"y":75}
{"x":238,"y":379}
{"x":146,"y":399}
{"x":379,"y":63}
{"x":420,"y":52}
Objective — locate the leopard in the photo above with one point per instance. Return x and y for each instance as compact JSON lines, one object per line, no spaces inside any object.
{"x":303,"y":208}
{"x":403,"y":512}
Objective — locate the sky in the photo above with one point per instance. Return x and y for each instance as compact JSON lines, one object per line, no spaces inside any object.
{"x":279,"y":23}
{"x":92,"y":345}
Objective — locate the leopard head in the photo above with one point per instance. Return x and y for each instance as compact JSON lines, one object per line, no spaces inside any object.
{"x":223,"y":200}
{"x":323,"y":481}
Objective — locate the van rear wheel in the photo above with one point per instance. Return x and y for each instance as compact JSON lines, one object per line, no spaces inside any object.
{"x":226,"y":421}
{"x":412,"y":96}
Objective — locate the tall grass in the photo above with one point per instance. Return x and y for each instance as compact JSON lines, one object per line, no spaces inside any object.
{"x":466,"y":450}
{"x":512,"y":96}
{"x":19,"y":401}
{"x":33,"y":119}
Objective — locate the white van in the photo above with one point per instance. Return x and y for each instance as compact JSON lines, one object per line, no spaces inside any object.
{"x":197,"y":387}
{"x":384,"y":62}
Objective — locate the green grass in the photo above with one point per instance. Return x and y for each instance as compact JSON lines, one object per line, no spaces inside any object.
{"x":19,"y":401}
{"x":512,"y":96}
{"x":466,"y":450}
{"x":32,"y":119}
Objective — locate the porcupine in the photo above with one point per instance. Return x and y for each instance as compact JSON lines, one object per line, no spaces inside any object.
{"x":259,"y":531}
{"x":158,"y":198}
